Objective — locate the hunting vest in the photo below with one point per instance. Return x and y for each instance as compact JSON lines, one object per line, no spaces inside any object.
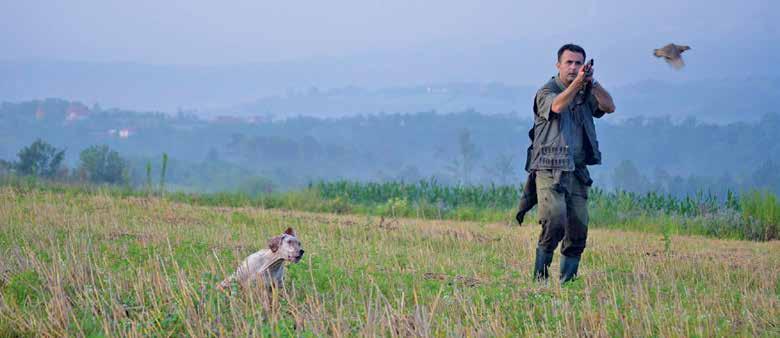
{"x":552,"y":132}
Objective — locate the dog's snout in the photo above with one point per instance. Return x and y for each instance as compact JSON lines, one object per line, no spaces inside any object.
{"x":298,"y":257}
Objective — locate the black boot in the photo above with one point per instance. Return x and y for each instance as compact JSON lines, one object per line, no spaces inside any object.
{"x":542,"y":265}
{"x":569,"y":267}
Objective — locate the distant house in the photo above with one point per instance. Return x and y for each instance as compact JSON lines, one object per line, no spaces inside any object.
{"x":126,"y":132}
{"x":436,"y":90}
{"x":76,"y":111}
{"x":40,"y":113}
{"x":121,"y":133}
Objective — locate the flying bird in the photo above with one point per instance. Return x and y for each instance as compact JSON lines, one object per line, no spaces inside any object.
{"x":672,"y":54}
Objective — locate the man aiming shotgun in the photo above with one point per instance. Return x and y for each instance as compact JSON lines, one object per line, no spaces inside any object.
{"x":563,"y":145}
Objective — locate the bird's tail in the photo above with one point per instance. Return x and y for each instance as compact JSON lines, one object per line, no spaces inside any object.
{"x":677,"y":63}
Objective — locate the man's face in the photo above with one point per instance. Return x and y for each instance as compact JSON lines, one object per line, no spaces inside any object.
{"x":569,"y":65}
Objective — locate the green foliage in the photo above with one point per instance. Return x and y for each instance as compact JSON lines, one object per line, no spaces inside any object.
{"x":702,"y":214}
{"x":24,"y":289}
{"x":431,"y":192}
{"x":667,"y":239}
{"x":40,"y":159}
{"x":103,"y":165}
{"x":761,"y":212}
{"x":448,"y":198}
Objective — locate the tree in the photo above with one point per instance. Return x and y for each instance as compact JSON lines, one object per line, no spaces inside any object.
{"x":502,"y":169}
{"x":627,"y":177}
{"x":767,"y":176}
{"x":102,"y":165}
{"x":662,"y":180}
{"x":149,"y":176}
{"x":462,"y":166}
{"x":40,"y":159}
{"x":162,"y":173}
{"x":5,"y":167}
{"x":212,"y":156}
{"x":256,"y":186}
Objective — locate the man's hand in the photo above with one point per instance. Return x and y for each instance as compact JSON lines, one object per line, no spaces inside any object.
{"x":580,"y":80}
{"x":584,"y":76}
{"x":563,"y":99}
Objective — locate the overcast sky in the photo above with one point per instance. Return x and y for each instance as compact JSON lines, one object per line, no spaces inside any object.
{"x":164,"y":54}
{"x":244,"y":31}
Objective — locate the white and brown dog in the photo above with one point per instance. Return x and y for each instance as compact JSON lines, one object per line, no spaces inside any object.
{"x":267,"y":266}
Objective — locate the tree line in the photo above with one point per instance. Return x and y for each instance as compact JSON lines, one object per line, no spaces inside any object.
{"x":97,"y":164}
{"x":675,"y":156}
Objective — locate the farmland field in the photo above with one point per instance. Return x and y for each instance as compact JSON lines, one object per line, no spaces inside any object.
{"x":100,"y":264}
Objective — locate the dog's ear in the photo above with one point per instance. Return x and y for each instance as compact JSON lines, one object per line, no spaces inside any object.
{"x":290,"y":231}
{"x":275,"y":243}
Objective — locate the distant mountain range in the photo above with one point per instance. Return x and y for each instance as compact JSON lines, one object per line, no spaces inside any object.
{"x":716,"y":85}
{"x":717,"y":102}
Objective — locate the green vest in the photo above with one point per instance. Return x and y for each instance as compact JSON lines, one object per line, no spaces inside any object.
{"x":552,"y":132}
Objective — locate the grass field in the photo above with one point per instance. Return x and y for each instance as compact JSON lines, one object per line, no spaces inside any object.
{"x":97,"y":264}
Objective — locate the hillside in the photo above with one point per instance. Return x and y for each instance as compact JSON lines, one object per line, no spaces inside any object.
{"x":639,"y":154}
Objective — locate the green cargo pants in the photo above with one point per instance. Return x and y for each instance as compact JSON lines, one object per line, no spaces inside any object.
{"x":563,"y":211}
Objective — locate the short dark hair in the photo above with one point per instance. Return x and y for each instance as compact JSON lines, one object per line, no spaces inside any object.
{"x":572,"y":48}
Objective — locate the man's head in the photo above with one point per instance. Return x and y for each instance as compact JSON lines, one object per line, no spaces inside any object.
{"x":570,"y":59}
{"x":287,"y":245}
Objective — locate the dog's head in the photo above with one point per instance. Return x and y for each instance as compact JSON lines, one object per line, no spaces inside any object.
{"x":287,"y":245}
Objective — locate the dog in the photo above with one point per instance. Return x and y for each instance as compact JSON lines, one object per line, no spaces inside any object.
{"x":266,"y":266}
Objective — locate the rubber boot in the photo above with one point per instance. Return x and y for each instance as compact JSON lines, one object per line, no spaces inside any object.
{"x":542,"y":265}
{"x":569,"y":267}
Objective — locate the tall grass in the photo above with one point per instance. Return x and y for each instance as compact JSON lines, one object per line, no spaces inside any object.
{"x":753,"y":216}
{"x":761,"y":212}
{"x":103,"y":263}
{"x":701,"y":214}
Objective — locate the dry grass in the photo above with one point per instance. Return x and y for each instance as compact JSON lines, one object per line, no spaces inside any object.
{"x":103,"y":265}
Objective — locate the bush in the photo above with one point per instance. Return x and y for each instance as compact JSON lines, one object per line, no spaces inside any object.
{"x":40,"y":159}
{"x":99,"y":164}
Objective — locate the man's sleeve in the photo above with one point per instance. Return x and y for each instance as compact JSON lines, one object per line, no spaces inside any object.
{"x":543,"y":103}
{"x":594,"y":107}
